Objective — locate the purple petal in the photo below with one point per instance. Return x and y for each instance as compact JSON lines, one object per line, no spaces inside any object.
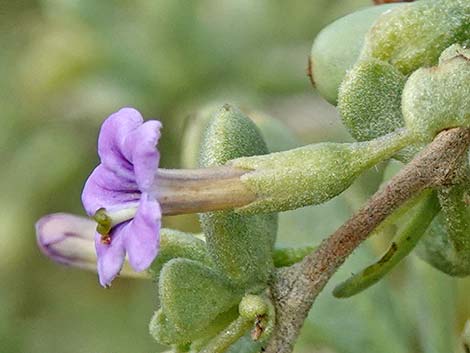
{"x":140,"y":148}
{"x":142,"y":234}
{"x":106,"y":189}
{"x":110,"y":256}
{"x":113,"y":133}
{"x":67,"y":239}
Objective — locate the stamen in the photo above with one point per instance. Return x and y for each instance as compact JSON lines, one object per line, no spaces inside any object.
{"x":103,"y":220}
{"x":107,"y":220}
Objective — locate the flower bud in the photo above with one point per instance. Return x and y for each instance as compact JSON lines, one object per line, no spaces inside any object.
{"x":67,"y":239}
{"x":436,"y":98}
{"x":330,"y":59}
{"x":252,"y":306}
{"x":240,"y":245}
{"x":414,"y":35}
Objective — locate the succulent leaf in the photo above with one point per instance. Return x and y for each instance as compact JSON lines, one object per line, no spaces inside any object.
{"x":330,"y":59}
{"x":193,"y":295}
{"x":241,"y":246}
{"x":414,"y":35}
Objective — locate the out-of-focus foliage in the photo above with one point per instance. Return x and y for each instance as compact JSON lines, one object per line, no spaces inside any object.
{"x":67,"y":64}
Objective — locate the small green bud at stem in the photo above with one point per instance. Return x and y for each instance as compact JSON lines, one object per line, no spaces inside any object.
{"x":252,"y":306}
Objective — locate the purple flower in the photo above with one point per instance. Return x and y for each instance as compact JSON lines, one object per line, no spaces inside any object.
{"x":119,"y":193}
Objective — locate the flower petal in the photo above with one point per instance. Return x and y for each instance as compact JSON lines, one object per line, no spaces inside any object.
{"x":105,"y":189}
{"x":140,"y":148}
{"x":67,"y":239}
{"x":110,"y":256}
{"x":113,"y":133}
{"x":142,"y":234}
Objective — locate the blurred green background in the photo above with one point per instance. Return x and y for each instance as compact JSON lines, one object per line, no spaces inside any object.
{"x":65,"y":65}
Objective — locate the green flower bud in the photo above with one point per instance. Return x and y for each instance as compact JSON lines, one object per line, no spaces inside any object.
{"x":330,"y":59}
{"x":193,"y":296}
{"x":241,"y":246}
{"x":446,"y":244}
{"x":252,"y":306}
{"x":312,"y":174}
{"x":414,"y":35}
{"x":436,"y":98}
{"x":174,"y":244}
{"x":370,"y":99}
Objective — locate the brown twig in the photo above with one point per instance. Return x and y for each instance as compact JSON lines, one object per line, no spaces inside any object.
{"x":295,"y":288}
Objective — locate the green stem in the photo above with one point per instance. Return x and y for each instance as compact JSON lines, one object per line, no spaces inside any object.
{"x":374,"y":151}
{"x":228,"y":336}
{"x":401,"y":246}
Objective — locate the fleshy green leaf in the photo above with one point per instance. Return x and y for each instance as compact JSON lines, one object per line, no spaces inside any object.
{"x":414,"y":35}
{"x":174,"y":244}
{"x":193,"y":296}
{"x":436,"y":98}
{"x":241,"y":246}
{"x":330,"y":60}
{"x":370,"y":99}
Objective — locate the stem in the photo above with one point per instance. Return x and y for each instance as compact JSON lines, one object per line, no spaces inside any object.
{"x":228,"y":336}
{"x":384,"y":147}
{"x":201,"y":190}
{"x":296,"y":288}
{"x":401,"y":246}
